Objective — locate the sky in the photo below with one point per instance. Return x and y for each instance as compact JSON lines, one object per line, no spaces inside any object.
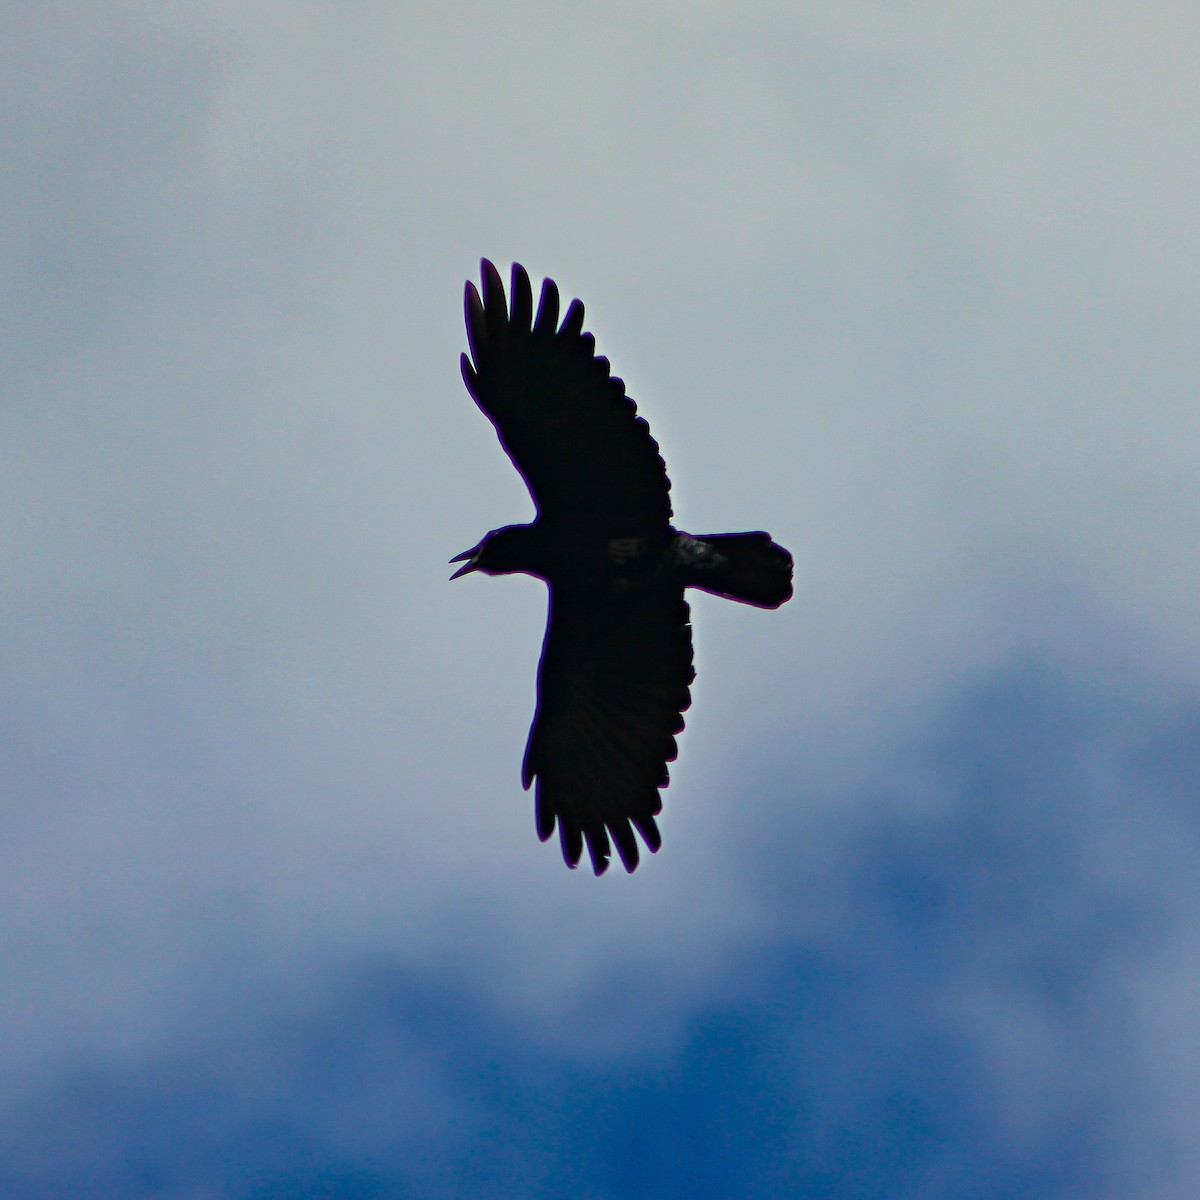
{"x":912,"y":286}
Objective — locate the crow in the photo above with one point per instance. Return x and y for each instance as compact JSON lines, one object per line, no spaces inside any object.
{"x":617,"y":657}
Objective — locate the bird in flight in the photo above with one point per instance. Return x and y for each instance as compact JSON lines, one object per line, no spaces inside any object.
{"x":617,"y":657}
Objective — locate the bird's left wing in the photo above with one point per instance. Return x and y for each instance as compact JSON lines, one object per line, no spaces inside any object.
{"x":612,"y":688}
{"x":561,"y":414}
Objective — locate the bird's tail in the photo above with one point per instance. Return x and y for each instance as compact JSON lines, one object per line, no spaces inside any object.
{"x":749,"y":567}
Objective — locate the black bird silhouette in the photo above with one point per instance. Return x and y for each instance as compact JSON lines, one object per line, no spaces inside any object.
{"x":617,"y":657}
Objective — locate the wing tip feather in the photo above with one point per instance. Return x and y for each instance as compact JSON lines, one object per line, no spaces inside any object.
{"x":547,"y":314}
{"x":572,"y":325}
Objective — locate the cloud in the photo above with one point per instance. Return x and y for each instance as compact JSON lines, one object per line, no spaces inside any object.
{"x":963,"y":993}
{"x":908,"y":291}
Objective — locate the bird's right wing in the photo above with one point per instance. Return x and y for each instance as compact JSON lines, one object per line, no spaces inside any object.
{"x":562,"y":416}
{"x":612,"y":688}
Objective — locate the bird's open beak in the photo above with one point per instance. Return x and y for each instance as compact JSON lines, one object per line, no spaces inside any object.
{"x":467,"y":557}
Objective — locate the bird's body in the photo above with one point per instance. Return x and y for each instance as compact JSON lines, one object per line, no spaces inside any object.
{"x":617,"y":659}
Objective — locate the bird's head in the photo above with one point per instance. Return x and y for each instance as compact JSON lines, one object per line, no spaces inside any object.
{"x":502,"y":552}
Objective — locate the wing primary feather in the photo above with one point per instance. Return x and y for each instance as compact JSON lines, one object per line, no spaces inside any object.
{"x":572,"y":324}
{"x":571,"y":837}
{"x":547,"y":317}
{"x":476,"y":323}
{"x":493,"y":291}
{"x":521,"y":300}
{"x":627,"y":847}
{"x":527,"y":768}
{"x":648,"y":828}
{"x":544,"y":812}
{"x":468,"y":374}
{"x":599,"y":847}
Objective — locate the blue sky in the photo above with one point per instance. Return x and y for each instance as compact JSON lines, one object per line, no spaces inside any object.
{"x":913,"y":287}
